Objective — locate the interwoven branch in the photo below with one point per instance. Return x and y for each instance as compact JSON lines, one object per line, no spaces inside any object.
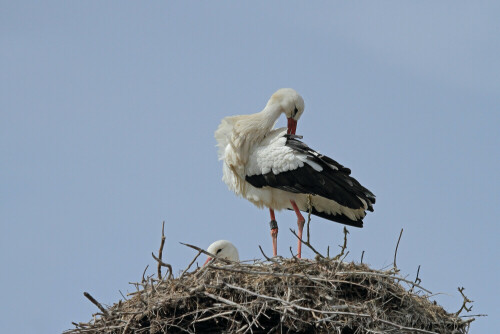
{"x":297,"y":295}
{"x":465,"y":302}
{"x":277,"y":295}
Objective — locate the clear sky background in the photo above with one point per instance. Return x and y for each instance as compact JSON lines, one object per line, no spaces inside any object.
{"x":107,"y":115}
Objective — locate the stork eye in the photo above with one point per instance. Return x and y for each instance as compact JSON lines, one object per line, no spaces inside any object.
{"x":218,"y":251}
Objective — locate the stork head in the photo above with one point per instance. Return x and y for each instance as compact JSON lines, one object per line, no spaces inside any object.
{"x":223,"y":249}
{"x":291,"y":104}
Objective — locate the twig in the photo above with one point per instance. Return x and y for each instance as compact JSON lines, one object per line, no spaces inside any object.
{"x":160,"y":252}
{"x":190,"y":264}
{"x":213,"y":316}
{"x":383,"y":275}
{"x":96,"y":303}
{"x":473,"y":315}
{"x":417,"y":280}
{"x":410,"y":329}
{"x":396,"y":251}
{"x":362,"y":254}
{"x":144,"y":273}
{"x":267,"y":258}
{"x":230,"y":302}
{"x":307,"y":244}
{"x":345,"y":255}
{"x":346,"y":232}
{"x":309,"y":205}
{"x":315,"y":279}
{"x":128,"y":324}
{"x":466,"y":300}
{"x":207,"y":253}
{"x":163,"y":264}
{"x":284,"y":301}
{"x":121,"y":293}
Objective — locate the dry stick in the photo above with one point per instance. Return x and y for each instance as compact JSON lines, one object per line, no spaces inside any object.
{"x":362,"y":254}
{"x":96,"y":303}
{"x":213,"y":316}
{"x":307,"y":244}
{"x":267,"y":258}
{"x":342,"y":259}
{"x":362,"y":315}
{"x":284,"y":301}
{"x":121,"y":293}
{"x":160,"y":252}
{"x":473,"y":315}
{"x":230,"y":302}
{"x":314,"y":279}
{"x":207,"y":253}
{"x":190,"y":264}
{"x":344,"y":246}
{"x":144,"y":273}
{"x":417,"y":280}
{"x":464,"y":305}
{"x":255,"y":318}
{"x":226,"y":301}
{"x":128,"y":324}
{"x":383,"y":275}
{"x":163,"y":264}
{"x":396,"y":251}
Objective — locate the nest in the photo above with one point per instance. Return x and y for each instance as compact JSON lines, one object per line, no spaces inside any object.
{"x":277,"y":296}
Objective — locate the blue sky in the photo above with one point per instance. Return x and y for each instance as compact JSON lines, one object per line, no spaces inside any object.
{"x":107,"y":114}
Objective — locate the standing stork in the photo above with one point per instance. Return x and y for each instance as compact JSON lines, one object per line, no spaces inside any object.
{"x":272,"y":168}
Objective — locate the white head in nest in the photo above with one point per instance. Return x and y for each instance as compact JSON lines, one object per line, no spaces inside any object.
{"x":223,"y":249}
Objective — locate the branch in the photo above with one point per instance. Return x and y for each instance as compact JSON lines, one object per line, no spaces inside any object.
{"x":293,"y":256}
{"x":307,"y":244}
{"x":144,"y":273}
{"x":346,"y":232}
{"x":207,"y":253}
{"x":160,"y":252}
{"x":464,"y":305}
{"x":396,"y":251}
{"x":267,"y":258}
{"x":417,"y":280}
{"x":189,"y":266}
{"x":96,"y":303}
{"x":163,"y":264}
{"x":309,"y":205}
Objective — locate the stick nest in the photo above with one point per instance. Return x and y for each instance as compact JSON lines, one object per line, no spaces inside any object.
{"x":278,"y":296}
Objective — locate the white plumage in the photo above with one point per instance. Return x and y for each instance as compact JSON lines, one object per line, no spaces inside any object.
{"x":223,"y":249}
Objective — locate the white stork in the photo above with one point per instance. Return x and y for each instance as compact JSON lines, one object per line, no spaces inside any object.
{"x":223,"y":249}
{"x":272,"y":168}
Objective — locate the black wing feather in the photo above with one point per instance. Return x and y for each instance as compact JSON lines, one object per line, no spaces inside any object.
{"x":333,"y":182}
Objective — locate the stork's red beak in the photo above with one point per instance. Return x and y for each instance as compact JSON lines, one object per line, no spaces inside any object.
{"x":292,"y":126}
{"x":208,"y":259}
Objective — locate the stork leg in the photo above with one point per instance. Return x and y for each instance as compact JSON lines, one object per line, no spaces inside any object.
{"x":274,"y":232}
{"x":300,"y":224}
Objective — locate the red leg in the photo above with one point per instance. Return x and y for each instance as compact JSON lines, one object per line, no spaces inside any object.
{"x":274,"y":232}
{"x":300,"y":224}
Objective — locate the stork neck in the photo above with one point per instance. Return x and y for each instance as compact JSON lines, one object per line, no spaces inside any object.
{"x":270,"y":115}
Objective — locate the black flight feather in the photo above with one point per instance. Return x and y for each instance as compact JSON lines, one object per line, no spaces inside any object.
{"x":333,"y":182}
